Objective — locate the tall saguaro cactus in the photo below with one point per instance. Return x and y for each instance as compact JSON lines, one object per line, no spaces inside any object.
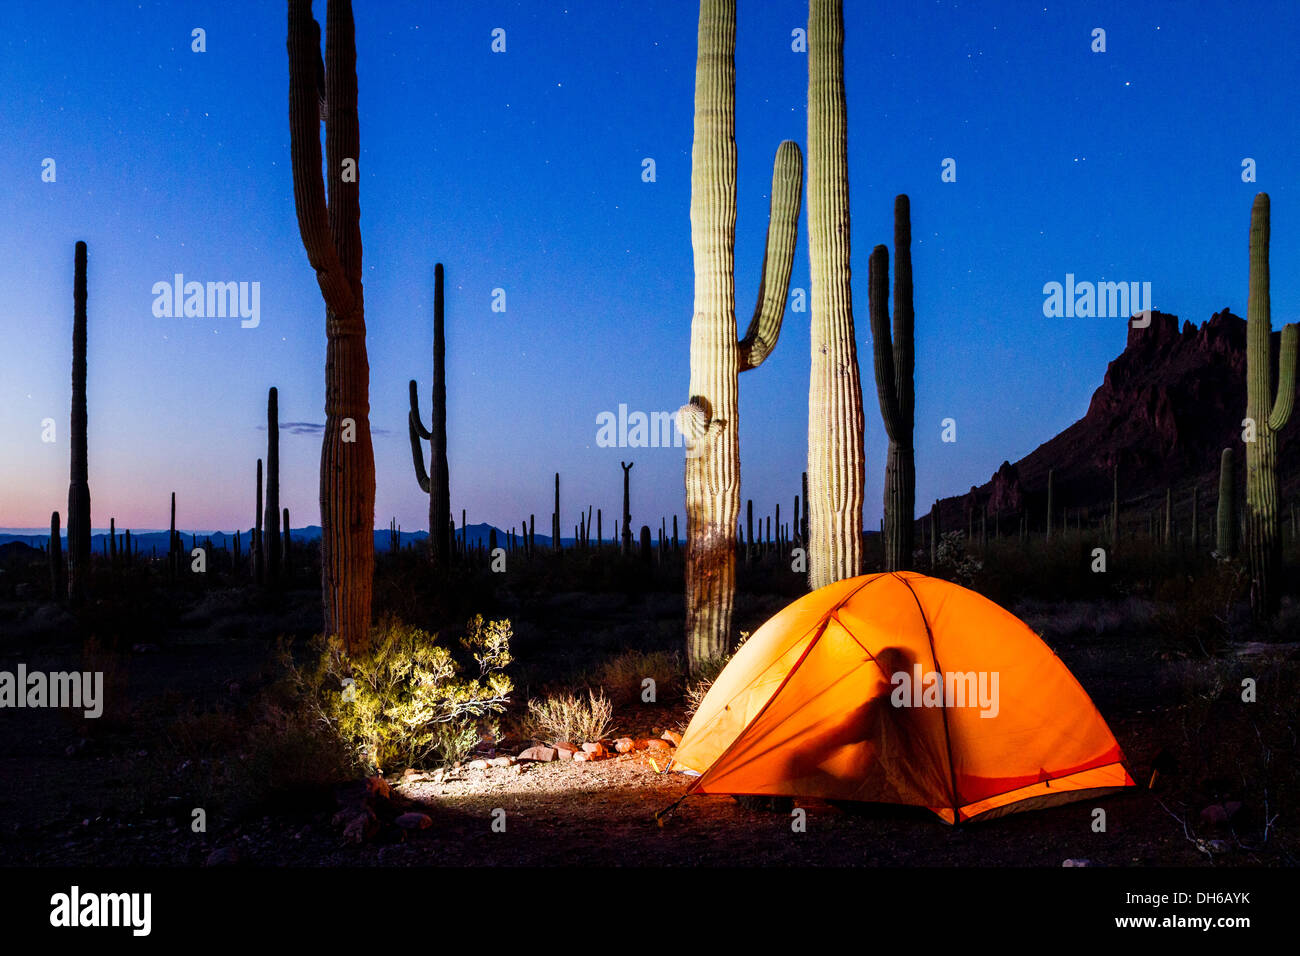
{"x":271,"y":521}
{"x":435,"y":483}
{"x":895,"y":386}
{"x":79,"y":476}
{"x":710,"y":420}
{"x":836,"y":462}
{"x":326,"y":90}
{"x":1269,"y":414}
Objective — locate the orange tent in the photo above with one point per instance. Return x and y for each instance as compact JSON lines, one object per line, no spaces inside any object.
{"x":901,"y":688}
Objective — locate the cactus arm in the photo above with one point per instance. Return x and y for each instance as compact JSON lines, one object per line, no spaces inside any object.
{"x":424,"y":433}
{"x":314,"y":217}
{"x":417,"y":432}
{"x":417,"y":454}
{"x":882,"y":346}
{"x":1285,"y":401}
{"x":778,"y":257}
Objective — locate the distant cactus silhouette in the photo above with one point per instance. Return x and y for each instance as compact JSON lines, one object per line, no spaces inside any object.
{"x":555,"y":516}
{"x":57,"y":585}
{"x":627,"y":510}
{"x":1225,"y":540}
{"x":259,"y":568}
{"x":284,"y":547}
{"x":1270,"y":413}
{"x":271,"y":520}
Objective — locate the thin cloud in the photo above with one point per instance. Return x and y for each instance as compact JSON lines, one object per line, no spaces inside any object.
{"x":314,"y":428}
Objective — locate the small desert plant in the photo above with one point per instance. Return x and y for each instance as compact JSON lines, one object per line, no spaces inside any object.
{"x":569,"y":717}
{"x":622,"y":676}
{"x":405,"y":699}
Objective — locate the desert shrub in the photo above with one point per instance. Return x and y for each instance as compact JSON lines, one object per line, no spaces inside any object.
{"x":285,"y":754}
{"x":1197,"y":613}
{"x":96,"y":657}
{"x":621,"y":676}
{"x":952,"y":561}
{"x":570,"y":717}
{"x":406,"y":700}
{"x":706,"y":672}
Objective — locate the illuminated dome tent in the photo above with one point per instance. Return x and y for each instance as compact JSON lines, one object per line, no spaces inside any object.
{"x":901,"y":688}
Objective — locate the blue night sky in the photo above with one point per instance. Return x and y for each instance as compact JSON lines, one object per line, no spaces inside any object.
{"x":522,"y":171}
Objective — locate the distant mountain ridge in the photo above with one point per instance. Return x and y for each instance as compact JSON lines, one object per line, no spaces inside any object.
{"x":1168,"y":406}
{"x":146,"y":541}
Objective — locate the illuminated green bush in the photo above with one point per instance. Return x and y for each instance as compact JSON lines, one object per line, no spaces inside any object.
{"x":406,"y":702}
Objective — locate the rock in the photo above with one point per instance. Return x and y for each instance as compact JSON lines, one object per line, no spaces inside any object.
{"x":625,"y":745}
{"x":672,"y":736}
{"x":362,"y":827}
{"x":540,"y":753}
{"x":1077,"y":863}
{"x":414,"y":821}
{"x":222,"y":856}
{"x":566,"y":750}
{"x":657,"y":743}
{"x":342,"y":817}
{"x":360,"y":793}
{"x":583,"y":757}
{"x":477,"y":765}
{"x":1006,"y":494}
{"x":501,"y":761}
{"x":595,"y":750}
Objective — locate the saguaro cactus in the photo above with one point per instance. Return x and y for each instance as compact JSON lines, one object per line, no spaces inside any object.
{"x":259,"y":566}
{"x":627,"y":509}
{"x":1269,"y":414}
{"x":326,"y":90}
{"x":555,"y":516}
{"x":271,"y":521}
{"x":1225,"y":527}
{"x":1051,"y":500}
{"x":79,"y":481}
{"x":57,"y":592}
{"x":435,"y":483}
{"x":836,"y":461}
{"x":284,"y":547}
{"x":894,"y":363}
{"x":710,"y":420}
{"x":173,"y":542}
